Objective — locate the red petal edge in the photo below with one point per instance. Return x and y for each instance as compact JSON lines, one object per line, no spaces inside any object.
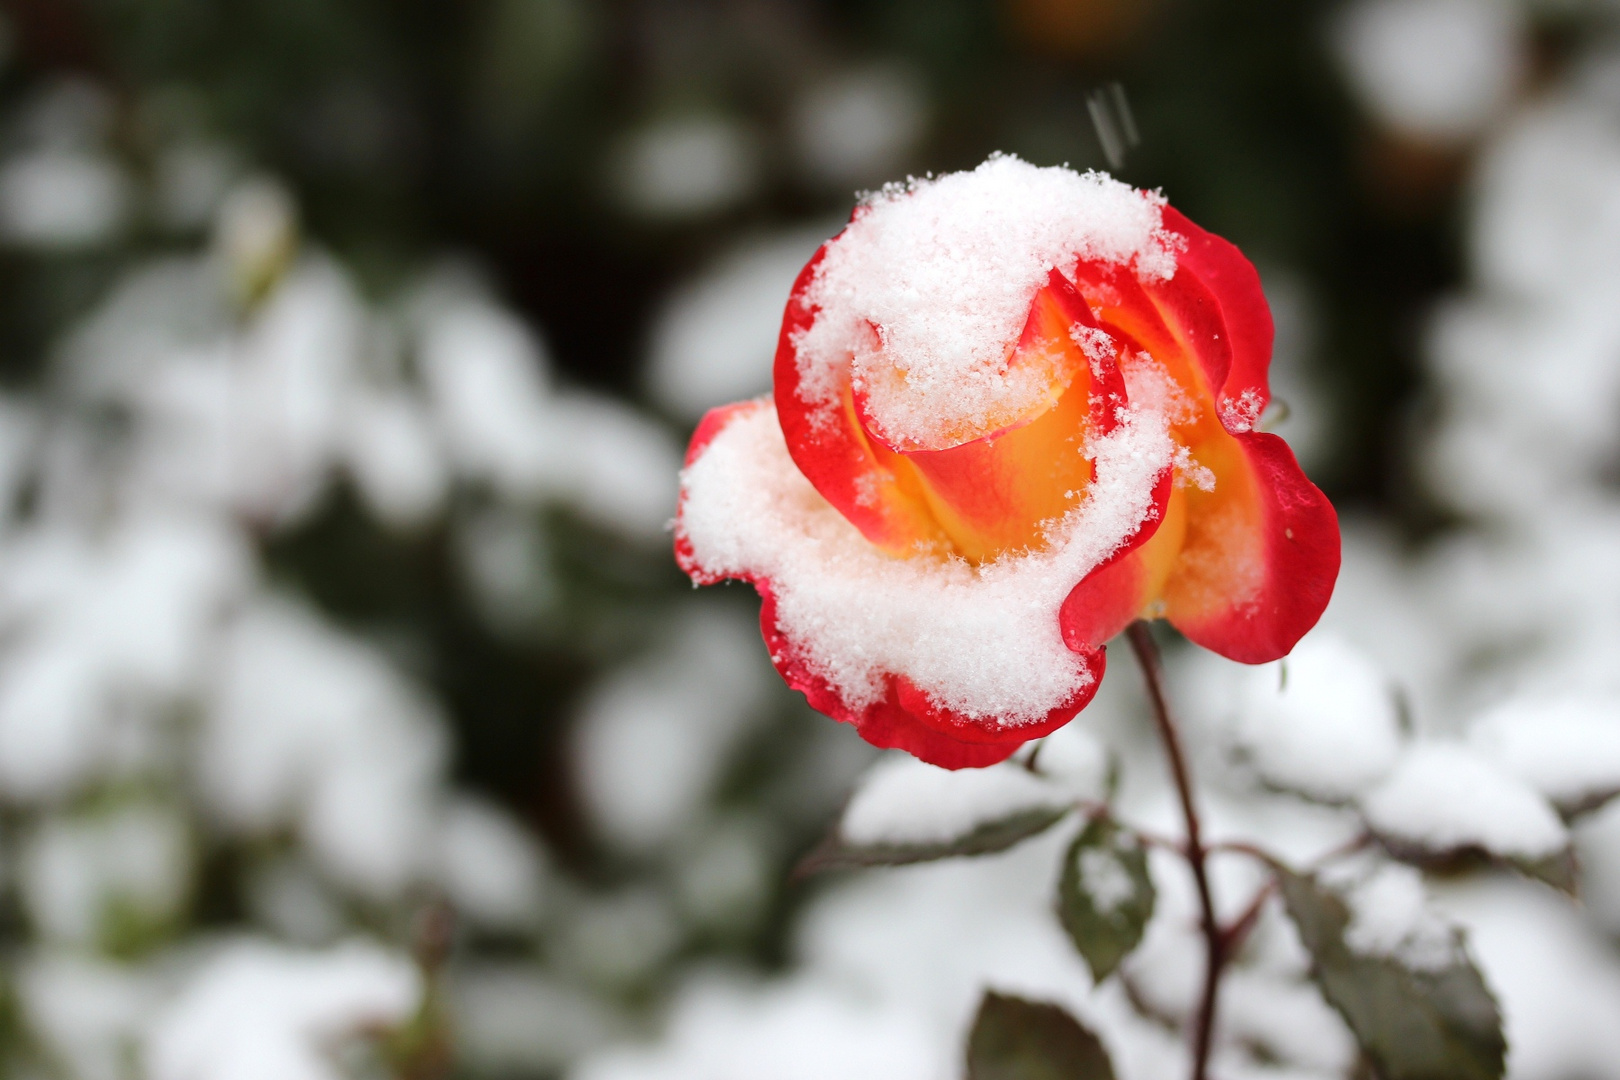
{"x":1302,"y":546}
{"x":1301,"y":562}
{"x":905,"y":719}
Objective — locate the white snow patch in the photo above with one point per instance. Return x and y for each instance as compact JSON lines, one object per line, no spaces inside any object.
{"x":945,"y":270}
{"x":983,"y":641}
{"x":715,"y":338}
{"x":1433,"y":69}
{"x":62,"y":199}
{"x":686,"y":166}
{"x":307,"y":727}
{"x":502,"y":421}
{"x":859,"y":124}
{"x":75,"y":875}
{"x":653,"y":738}
{"x":1552,"y":973}
{"x":83,"y":1011}
{"x":806,"y":1030}
{"x":1323,"y":721}
{"x":394,"y":455}
{"x":1390,"y":917}
{"x":489,"y":866}
{"x":1444,"y":796}
{"x":1567,"y":748}
{"x":1074,"y":757}
{"x":263,"y":1012}
{"x":905,"y":801}
{"x":1105,"y":879}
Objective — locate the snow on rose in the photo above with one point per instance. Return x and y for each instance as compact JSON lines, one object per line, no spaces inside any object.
{"x":1014,"y":410}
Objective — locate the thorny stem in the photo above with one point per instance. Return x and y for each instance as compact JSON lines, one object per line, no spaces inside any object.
{"x":1215,"y":943}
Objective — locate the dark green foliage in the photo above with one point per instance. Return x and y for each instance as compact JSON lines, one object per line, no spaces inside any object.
{"x":1015,"y":1039}
{"x":1428,"y":1023}
{"x":835,"y":853}
{"x":1104,"y":921}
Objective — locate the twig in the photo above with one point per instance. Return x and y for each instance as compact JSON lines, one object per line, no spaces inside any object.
{"x":1147,"y":656}
{"x":1240,"y":929}
{"x":1243,"y":847}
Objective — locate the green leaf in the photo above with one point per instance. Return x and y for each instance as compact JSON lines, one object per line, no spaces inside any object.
{"x":1015,"y":1039}
{"x":1415,"y":1023}
{"x":1105,"y":895}
{"x":1558,"y":869}
{"x":836,"y":853}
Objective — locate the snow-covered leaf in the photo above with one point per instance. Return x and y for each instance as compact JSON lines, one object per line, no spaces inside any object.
{"x":1015,"y":1039}
{"x":1567,"y":748}
{"x":905,"y":811}
{"x":1408,"y":990}
{"x":1105,"y":895}
{"x":258,"y":1011}
{"x":1323,"y":722}
{"x":1444,"y":801}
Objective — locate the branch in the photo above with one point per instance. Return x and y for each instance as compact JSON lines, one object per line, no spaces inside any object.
{"x":1147,"y":655}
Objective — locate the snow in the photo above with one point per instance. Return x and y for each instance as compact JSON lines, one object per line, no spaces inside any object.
{"x":395,"y":458}
{"x":1291,"y":1021}
{"x":905,"y":801}
{"x":730,"y":1031}
{"x":1566,"y":747}
{"x":488,"y":381}
{"x":1552,"y":974}
{"x":103,"y":629}
{"x":62,"y":199}
{"x":714,"y":338}
{"x":944,"y":270}
{"x":489,"y":866}
{"x":1076,"y":759}
{"x":858,"y":125}
{"x":1433,"y":69}
{"x":686,"y":166}
{"x":983,"y":641}
{"x":1548,"y":204}
{"x":503,"y":423}
{"x":1390,"y":916}
{"x":612,"y":465}
{"x":653,"y":738}
{"x":85,"y":1012}
{"x":1105,"y":879}
{"x":76,"y":874}
{"x":1322,"y":721}
{"x":258,"y":1011}
{"x":1442,"y":796}
{"x":305,"y":727}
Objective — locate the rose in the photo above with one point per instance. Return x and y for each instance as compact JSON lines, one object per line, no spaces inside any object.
{"x":1014,"y":410}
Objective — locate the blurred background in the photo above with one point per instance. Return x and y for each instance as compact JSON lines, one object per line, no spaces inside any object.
{"x":354,"y":719}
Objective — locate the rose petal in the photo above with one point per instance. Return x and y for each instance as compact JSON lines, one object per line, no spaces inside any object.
{"x":863,"y":481}
{"x":905,"y":718}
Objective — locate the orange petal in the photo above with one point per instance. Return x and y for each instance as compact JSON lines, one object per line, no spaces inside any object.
{"x":1000,"y":492}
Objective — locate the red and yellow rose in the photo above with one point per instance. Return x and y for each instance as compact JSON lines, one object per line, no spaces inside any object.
{"x":913,"y":571}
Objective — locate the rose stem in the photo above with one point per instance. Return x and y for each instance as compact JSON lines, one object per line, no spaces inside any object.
{"x":1147,"y":656}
